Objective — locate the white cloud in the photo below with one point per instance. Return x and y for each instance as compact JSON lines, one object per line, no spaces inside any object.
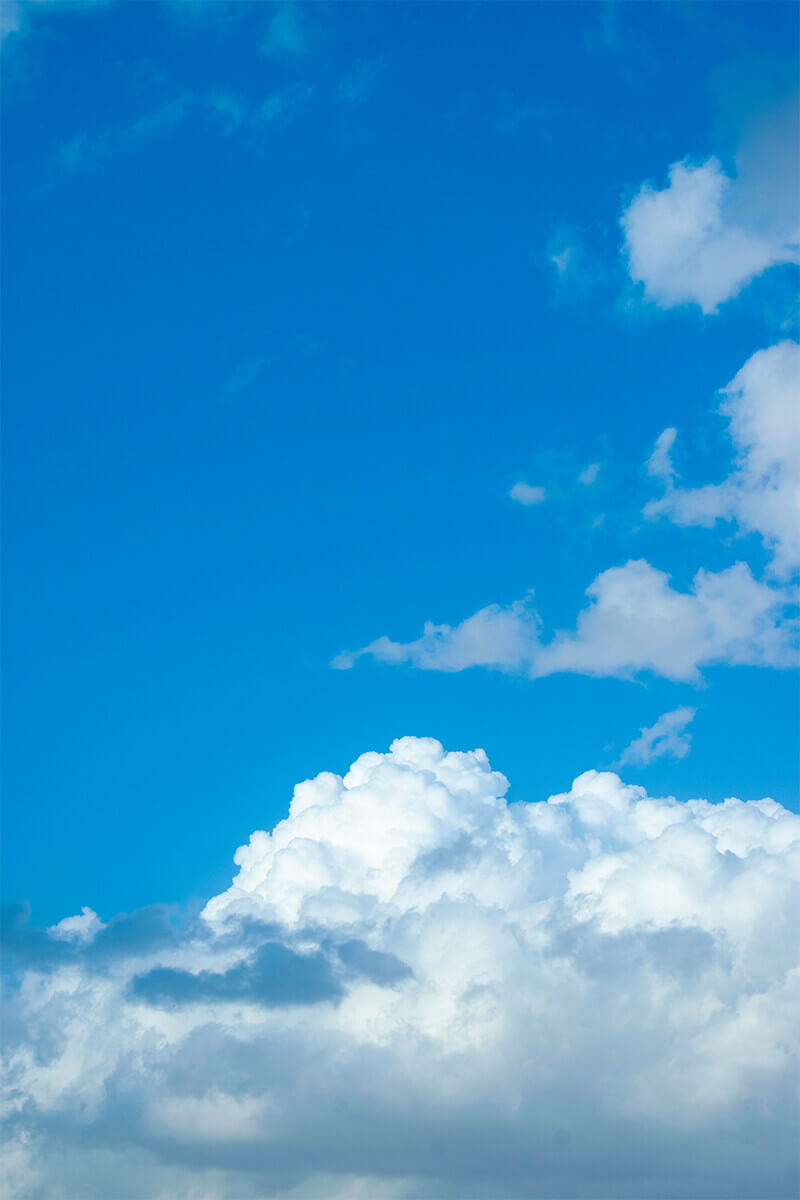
{"x":597,"y":971}
{"x":524,"y":493}
{"x":762,"y":492}
{"x":588,"y":476}
{"x":635,"y":621}
{"x":702,"y":238}
{"x":82,"y":927}
{"x":667,"y":736}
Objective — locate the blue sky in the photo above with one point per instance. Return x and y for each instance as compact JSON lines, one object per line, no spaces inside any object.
{"x":379,"y":378}
{"x":281,"y":331}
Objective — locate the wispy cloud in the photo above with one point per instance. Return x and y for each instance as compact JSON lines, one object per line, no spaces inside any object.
{"x":243,"y":377}
{"x":666,"y":737}
{"x":231,"y":114}
{"x":287,"y":33}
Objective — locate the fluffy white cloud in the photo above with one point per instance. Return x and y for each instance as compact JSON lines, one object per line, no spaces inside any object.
{"x":762,"y":492}
{"x":591,"y":995}
{"x":680,"y":246}
{"x":525,"y":493}
{"x":702,"y":238}
{"x":667,"y":736}
{"x":635,"y":621}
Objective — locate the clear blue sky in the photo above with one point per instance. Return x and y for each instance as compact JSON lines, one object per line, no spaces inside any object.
{"x":281,"y":329}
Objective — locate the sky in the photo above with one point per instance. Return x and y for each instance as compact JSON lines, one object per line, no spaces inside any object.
{"x":412,"y":386}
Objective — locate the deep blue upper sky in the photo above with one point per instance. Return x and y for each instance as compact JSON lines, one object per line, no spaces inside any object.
{"x":280,"y":331}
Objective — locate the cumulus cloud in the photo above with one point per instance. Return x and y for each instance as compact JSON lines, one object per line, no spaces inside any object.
{"x":524,"y":493}
{"x":589,"y":995}
{"x":704,"y":236}
{"x":635,"y":621}
{"x":667,"y":736}
{"x":762,"y":492}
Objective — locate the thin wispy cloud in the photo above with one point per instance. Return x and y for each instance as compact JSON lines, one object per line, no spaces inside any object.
{"x":667,"y":737}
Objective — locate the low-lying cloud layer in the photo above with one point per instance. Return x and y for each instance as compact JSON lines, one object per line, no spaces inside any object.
{"x":414,"y":988}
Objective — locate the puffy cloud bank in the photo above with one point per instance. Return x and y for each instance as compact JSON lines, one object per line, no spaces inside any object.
{"x":414,"y":988}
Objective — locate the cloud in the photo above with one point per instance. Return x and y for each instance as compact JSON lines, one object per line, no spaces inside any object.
{"x":665,"y":737}
{"x":659,"y":464}
{"x":762,"y":492}
{"x":635,"y":621}
{"x":524,"y":493}
{"x":590,"y":995}
{"x":579,"y":269}
{"x":228,"y":113}
{"x":286,"y":34}
{"x":275,"y":975}
{"x":20,"y":16}
{"x":703,"y":237}
{"x":82,"y":927}
{"x":589,"y":474}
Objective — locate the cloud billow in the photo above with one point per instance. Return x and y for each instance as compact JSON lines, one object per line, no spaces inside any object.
{"x":413,"y":986}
